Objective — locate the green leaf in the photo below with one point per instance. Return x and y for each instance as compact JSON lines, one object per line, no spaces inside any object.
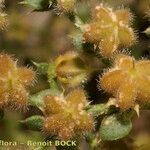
{"x":92,"y":140}
{"x":37,"y":4}
{"x":42,"y":68}
{"x":34,"y":122}
{"x":115,"y":127}
{"x":52,"y":78}
{"x":38,"y":98}
{"x":98,"y":109}
{"x":79,"y":23}
{"x":77,"y":41}
{"x":49,"y":70}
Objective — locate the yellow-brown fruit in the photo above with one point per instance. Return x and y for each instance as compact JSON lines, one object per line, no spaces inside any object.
{"x":57,"y":106}
{"x":124,"y":61}
{"x":110,"y":29}
{"x":126,"y":95}
{"x":128,"y":81}
{"x":66,"y":5}
{"x":26,"y":75}
{"x":144,"y":89}
{"x":66,"y":116}
{"x":71,"y":69}
{"x":143,"y":67}
{"x":112,"y":80}
{"x":13,"y":83}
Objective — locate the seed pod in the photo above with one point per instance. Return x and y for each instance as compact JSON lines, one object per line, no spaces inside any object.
{"x":71,"y":69}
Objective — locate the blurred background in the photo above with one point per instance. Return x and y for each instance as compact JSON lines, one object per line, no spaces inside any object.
{"x":41,"y":36}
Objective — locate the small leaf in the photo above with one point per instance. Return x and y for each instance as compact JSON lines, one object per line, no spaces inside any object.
{"x":42,"y":68}
{"x":34,"y":122}
{"x":98,"y":109}
{"x":77,"y":41}
{"x":49,"y":70}
{"x":115,"y":127}
{"x":92,"y":140}
{"x":38,"y":98}
{"x":79,"y":23}
{"x":52,"y":77}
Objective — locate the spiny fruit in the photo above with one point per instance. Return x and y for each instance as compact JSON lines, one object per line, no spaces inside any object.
{"x":66,"y":116}
{"x":71,"y":69}
{"x":110,"y":29}
{"x":128,"y":81}
{"x":13,"y":83}
{"x":66,"y":5}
